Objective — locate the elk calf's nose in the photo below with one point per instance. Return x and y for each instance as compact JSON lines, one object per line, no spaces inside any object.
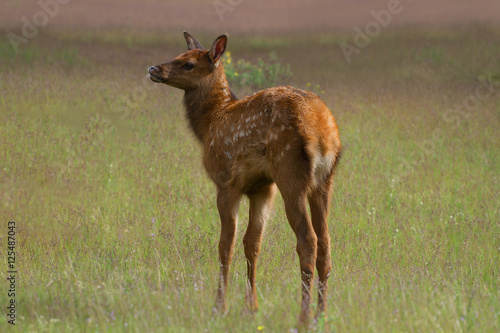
{"x":152,"y":69}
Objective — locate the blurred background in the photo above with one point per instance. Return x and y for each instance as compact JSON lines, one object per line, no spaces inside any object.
{"x":250,"y":17}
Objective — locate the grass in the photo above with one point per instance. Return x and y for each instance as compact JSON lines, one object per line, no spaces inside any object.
{"x":117,"y":228}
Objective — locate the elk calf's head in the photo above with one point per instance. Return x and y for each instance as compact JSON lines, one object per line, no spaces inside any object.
{"x":187,"y":70}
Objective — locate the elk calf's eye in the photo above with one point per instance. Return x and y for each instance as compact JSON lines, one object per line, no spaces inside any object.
{"x":188,"y":66}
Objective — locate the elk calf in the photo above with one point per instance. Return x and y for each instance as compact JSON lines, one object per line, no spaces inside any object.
{"x":279,"y":138}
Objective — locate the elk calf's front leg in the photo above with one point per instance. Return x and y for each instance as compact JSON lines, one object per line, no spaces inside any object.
{"x":227,"y":204}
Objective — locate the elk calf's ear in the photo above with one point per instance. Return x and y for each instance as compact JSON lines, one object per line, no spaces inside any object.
{"x":192,"y":43}
{"x":217,"y":50}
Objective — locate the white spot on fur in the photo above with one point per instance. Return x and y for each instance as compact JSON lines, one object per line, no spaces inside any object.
{"x":228,"y":155}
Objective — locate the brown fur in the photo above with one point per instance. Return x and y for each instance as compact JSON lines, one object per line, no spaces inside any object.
{"x":281,"y":137}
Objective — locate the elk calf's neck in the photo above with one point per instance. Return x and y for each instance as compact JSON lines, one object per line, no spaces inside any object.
{"x":279,"y":138}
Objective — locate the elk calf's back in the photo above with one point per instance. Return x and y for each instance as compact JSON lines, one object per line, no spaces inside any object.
{"x":253,"y":139}
{"x":280,"y":137}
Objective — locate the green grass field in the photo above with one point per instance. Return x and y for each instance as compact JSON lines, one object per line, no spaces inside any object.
{"x":116,"y":223}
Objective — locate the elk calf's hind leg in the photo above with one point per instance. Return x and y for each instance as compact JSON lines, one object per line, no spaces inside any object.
{"x":260,"y":206}
{"x":319,"y":202}
{"x":296,"y":212}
